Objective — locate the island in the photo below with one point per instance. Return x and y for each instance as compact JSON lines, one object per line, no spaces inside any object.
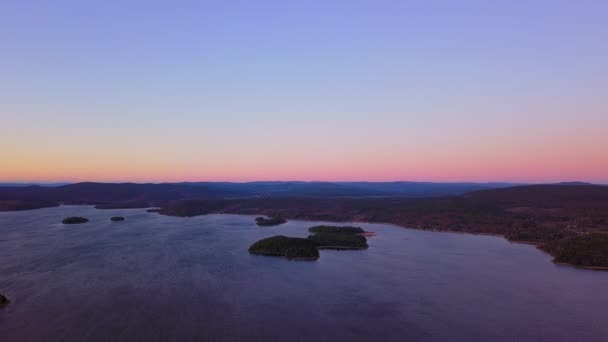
{"x":74,"y":220}
{"x":267,"y":222}
{"x":3,"y":300}
{"x":339,"y":238}
{"x":323,"y":237}
{"x":117,"y":219}
{"x":290,"y":247}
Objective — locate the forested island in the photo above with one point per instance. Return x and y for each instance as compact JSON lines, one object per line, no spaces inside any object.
{"x":289,"y":247}
{"x":268,"y":222}
{"x":322,"y":237}
{"x":74,"y":220}
{"x":332,"y":237}
{"x":117,"y":219}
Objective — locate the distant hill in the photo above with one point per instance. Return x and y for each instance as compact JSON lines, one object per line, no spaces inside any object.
{"x":453,"y":212}
{"x":30,"y":184}
{"x":574,"y":183}
{"x":348,"y":189}
{"x":134,"y":195}
{"x":544,"y":195}
{"x":102,"y":193}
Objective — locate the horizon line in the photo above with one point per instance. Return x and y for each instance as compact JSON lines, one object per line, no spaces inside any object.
{"x":300,"y":181}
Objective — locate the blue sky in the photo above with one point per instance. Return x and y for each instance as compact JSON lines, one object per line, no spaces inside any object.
{"x":336,"y":90}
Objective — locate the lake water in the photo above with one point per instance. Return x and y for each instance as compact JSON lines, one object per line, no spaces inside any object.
{"x":157,"y":278}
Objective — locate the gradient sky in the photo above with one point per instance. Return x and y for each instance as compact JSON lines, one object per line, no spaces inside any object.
{"x":304,"y":90}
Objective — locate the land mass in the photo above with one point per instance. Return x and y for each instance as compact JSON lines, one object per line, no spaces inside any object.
{"x":323,"y":237}
{"x":267,"y":222}
{"x":21,"y":204}
{"x":289,"y":247}
{"x":560,"y":214}
{"x":339,"y":238}
{"x":134,"y":195}
{"x":587,"y":250}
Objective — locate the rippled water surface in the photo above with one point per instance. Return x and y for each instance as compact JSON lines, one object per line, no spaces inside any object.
{"x":156,"y":278}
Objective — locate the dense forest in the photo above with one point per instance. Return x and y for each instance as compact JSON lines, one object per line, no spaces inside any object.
{"x":333,"y":237}
{"x":18,"y":205}
{"x":322,"y":237}
{"x":289,"y":247}
{"x":587,"y":250}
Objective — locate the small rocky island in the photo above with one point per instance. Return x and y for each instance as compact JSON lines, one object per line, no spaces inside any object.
{"x":74,"y":220}
{"x":289,"y":247}
{"x":267,"y":222}
{"x":3,"y":300}
{"x":117,"y":219}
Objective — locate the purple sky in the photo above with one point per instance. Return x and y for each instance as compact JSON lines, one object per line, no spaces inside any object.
{"x":309,"y":90}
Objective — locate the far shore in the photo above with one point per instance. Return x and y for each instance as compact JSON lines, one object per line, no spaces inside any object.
{"x":532,"y":243}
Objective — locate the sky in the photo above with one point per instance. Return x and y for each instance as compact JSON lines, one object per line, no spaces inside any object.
{"x":154,"y":91}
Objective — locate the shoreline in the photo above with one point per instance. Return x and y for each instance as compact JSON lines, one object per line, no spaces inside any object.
{"x":524,"y":242}
{"x":591,"y":268}
{"x":283,"y":256}
{"x":532,"y":243}
{"x":341,"y":248}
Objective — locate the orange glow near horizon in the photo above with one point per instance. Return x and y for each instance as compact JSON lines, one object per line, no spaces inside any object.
{"x":438,"y":166}
{"x":540,"y":153}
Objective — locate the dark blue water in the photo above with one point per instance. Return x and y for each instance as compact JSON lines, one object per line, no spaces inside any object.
{"x":159,"y":278}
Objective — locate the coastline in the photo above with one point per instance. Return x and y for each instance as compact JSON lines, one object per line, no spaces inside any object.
{"x":531,"y":243}
{"x":591,"y":268}
{"x":341,"y":248}
{"x":283,"y":256}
